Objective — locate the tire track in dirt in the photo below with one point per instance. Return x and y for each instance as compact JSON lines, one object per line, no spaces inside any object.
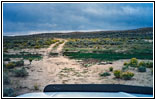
{"x":60,"y":47}
{"x":49,"y":70}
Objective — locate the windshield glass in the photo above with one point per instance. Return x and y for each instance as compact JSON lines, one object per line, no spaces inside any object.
{"x":76,"y":43}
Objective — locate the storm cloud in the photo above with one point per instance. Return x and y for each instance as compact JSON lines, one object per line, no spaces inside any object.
{"x":26,"y":18}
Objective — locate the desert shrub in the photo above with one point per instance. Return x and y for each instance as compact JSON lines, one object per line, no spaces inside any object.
{"x":152,"y":71}
{"x":109,"y":62}
{"x":31,"y":43}
{"x":4,"y":65}
{"x":105,"y":74}
{"x":111,"y":69}
{"x":117,"y":73}
{"x":53,"y":54}
{"x":61,"y":42}
{"x":54,"y":41}
{"x":133,"y":62}
{"x":66,"y":70}
{"x":10,"y":65}
{"x":6,"y":79}
{"x":20,"y":72}
{"x":124,"y":68}
{"x":125,"y":64}
{"x":30,"y":60}
{"x":5,"y":50}
{"x":142,"y":63}
{"x":48,"y":42}
{"x":6,"y":59}
{"x":87,"y":65}
{"x":37,"y":47}
{"x":66,"y":50}
{"x":14,"y":64}
{"x":8,"y":92}
{"x":24,"y":56}
{"x":149,"y":64}
{"x":36,"y":87}
{"x":127,"y":75}
{"x":19,"y":63}
{"x":141,"y":69}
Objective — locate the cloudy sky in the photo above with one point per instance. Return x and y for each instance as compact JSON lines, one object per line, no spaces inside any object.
{"x":28,"y":18}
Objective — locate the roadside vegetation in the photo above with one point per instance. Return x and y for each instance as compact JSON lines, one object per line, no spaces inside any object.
{"x":109,"y":49}
{"x":21,"y":42}
{"x":14,"y":63}
{"x":24,"y":55}
{"x":125,"y":71}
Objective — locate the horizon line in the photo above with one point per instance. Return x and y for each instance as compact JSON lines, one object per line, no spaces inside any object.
{"x":66,"y":31}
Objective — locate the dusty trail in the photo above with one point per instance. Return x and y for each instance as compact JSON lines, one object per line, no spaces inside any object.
{"x":60,"y":47}
{"x":54,"y":70}
{"x":50,"y":48}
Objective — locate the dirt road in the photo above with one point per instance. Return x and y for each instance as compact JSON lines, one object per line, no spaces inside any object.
{"x":53,"y":70}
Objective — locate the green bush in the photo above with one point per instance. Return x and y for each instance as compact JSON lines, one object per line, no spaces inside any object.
{"x":6,"y":79}
{"x":4,"y":65}
{"x":5,"y":50}
{"x":133,"y":62}
{"x":53,"y":54}
{"x":152,"y":71}
{"x":6,"y":59}
{"x":30,"y":60}
{"x":142,"y":63}
{"x":14,"y":64}
{"x":21,"y":72}
{"x":37,"y":46}
{"x":36,"y":87}
{"x":105,"y":74}
{"x":10,"y":65}
{"x":117,"y":73}
{"x":124,"y":68}
{"x":24,"y":56}
{"x":149,"y":64}
{"x":141,"y":69}
{"x":54,"y":41}
{"x":127,"y":75}
{"x":8,"y":92}
{"x":19,"y":63}
{"x":125,"y":64}
{"x":66,"y":50}
{"x":111,"y":69}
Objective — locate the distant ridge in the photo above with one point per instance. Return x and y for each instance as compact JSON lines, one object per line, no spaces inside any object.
{"x":95,"y":34}
{"x":95,"y":31}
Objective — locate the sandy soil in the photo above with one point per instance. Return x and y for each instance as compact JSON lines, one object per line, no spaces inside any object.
{"x":62,"y":70}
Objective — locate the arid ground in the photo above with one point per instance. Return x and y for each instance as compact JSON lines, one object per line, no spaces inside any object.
{"x":63,"y":70}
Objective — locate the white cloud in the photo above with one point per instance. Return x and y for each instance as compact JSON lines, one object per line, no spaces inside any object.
{"x":117,"y":10}
{"x":78,"y":18}
{"x":47,"y":25}
{"x":131,"y":10}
